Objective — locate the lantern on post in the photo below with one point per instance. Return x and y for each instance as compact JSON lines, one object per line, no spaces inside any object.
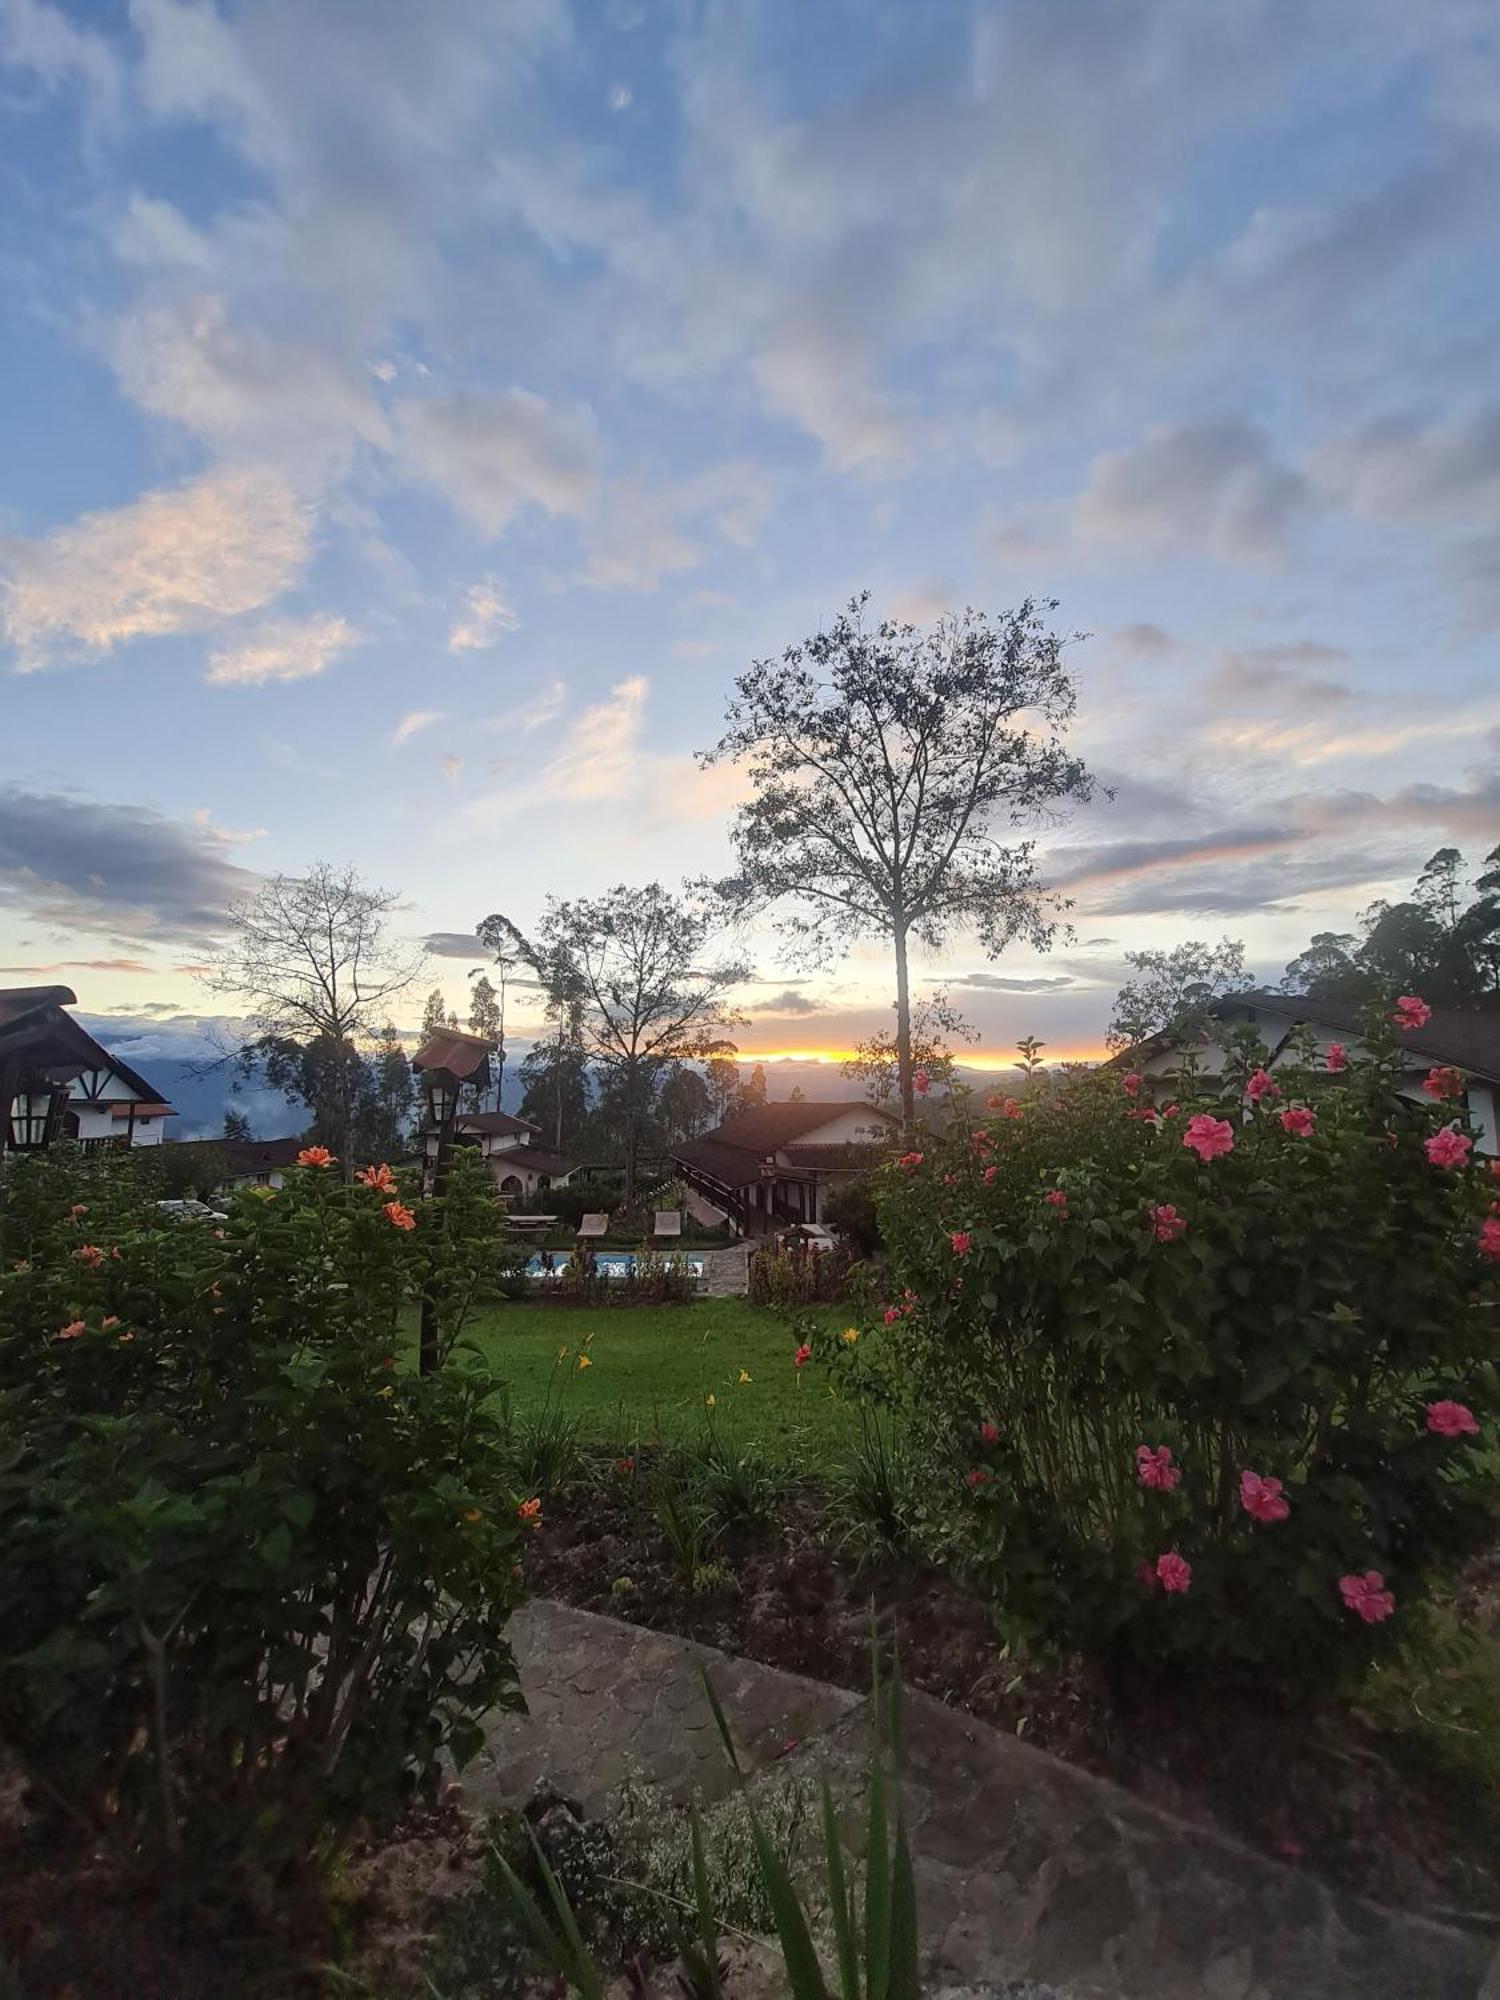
{"x":448,"y":1063}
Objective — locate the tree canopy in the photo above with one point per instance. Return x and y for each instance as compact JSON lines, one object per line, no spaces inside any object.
{"x":1173,"y":989}
{"x":316,"y":962}
{"x":1441,"y":942}
{"x":897,"y":778}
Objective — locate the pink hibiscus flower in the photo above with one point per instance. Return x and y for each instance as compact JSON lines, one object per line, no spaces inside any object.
{"x":1262,"y":1498}
{"x":1208,"y":1137}
{"x":1297,"y":1120}
{"x":1449,"y":1148}
{"x":1444,"y":1081}
{"x":1450,"y":1420}
{"x":803,"y":1355}
{"x":1367,"y":1597}
{"x":921,"y":1083}
{"x":1166,"y":1224}
{"x":989,"y":1174}
{"x":71,"y":1331}
{"x":1489,"y":1238}
{"x":1262,"y":1084}
{"x":1012,"y":1107}
{"x":1055,"y":1198}
{"x":910,"y":1161}
{"x":976,"y":1478}
{"x":1173,"y":1573}
{"x":960,"y":1242}
{"x":1131,"y":1084}
{"x":1411,"y":1012}
{"x":989,"y":1433}
{"x":1336,"y":1058}
{"x":1154,"y":1467}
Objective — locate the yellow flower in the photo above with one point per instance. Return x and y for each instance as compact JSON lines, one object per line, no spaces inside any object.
{"x":584,"y":1362}
{"x":471,"y":1514}
{"x":849,"y":1335}
{"x":744,"y":1375}
{"x":561,"y":1352}
{"x":386,"y":1391}
{"x":709,"y":1399}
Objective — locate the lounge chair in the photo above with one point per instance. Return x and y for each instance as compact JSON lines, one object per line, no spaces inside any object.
{"x":594,"y":1226}
{"x":668,"y":1222}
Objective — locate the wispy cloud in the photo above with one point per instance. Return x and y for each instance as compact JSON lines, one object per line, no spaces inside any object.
{"x":286,"y":649}
{"x":184,"y":559}
{"x":484,"y":616}
{"x":414,"y":722}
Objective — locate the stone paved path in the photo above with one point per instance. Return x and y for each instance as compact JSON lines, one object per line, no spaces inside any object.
{"x":726,"y":1272}
{"x":1027,"y":1868}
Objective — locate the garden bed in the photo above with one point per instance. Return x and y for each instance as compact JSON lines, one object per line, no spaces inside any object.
{"x":1396,"y":1796}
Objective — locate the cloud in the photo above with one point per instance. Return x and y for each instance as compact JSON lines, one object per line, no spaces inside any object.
{"x":544,"y":706}
{"x":485,"y":614}
{"x":788,"y":1001}
{"x":1400,"y":470}
{"x":127,"y":965}
{"x":1146,"y":642}
{"x":38,"y":37}
{"x":1275,"y":674}
{"x":993,"y":982}
{"x":493,"y":454}
{"x":1215,"y":489}
{"x":816,"y":374}
{"x":637,"y":542}
{"x":621,"y":97}
{"x":183,"y":559}
{"x":118,"y":871}
{"x":414,"y":721}
{"x":454,"y":944}
{"x":284,"y":649}
{"x":923,"y":603}
{"x":186,"y":362}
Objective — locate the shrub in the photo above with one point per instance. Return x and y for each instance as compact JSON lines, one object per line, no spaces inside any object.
{"x":1185,"y":1379}
{"x":791,"y":1273}
{"x":850,"y":1208}
{"x":257,"y":1576}
{"x":652,"y":1280}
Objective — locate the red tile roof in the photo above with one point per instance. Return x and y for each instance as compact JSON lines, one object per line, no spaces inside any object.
{"x":451,"y":1049}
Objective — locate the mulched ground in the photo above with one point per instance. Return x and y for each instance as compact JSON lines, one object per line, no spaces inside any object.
{"x":1325,"y":1790}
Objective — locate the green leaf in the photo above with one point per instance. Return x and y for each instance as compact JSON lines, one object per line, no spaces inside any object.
{"x":845,"y":1941}
{"x":276,"y":1547}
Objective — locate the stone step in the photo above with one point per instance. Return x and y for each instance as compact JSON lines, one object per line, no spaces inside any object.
{"x":1027,"y":1868}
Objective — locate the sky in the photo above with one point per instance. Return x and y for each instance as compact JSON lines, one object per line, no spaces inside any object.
{"x":414,"y":416}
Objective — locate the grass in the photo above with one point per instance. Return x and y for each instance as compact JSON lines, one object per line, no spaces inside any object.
{"x":652,"y":1368}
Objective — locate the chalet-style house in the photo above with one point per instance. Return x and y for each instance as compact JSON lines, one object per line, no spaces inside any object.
{"x":1462,"y":1038}
{"x":57,"y":1082}
{"x":774,"y":1165}
{"x":520,"y":1166}
{"x":246,"y":1163}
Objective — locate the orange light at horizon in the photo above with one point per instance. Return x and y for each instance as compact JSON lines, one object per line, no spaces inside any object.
{"x":982,"y":1059}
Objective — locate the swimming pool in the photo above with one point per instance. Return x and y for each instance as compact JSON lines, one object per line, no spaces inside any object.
{"x":608,"y":1263}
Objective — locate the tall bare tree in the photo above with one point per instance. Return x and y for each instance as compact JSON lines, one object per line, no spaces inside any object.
{"x":316,"y":963}
{"x":650,"y":990}
{"x":892,"y":770}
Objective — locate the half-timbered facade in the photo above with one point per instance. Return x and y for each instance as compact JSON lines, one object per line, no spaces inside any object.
{"x":108,"y":1103}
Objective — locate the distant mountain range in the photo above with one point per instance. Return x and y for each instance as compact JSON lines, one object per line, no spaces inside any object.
{"x":189,"y":1060}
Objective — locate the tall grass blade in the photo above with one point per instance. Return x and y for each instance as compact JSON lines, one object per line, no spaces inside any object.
{"x":845,"y":1941}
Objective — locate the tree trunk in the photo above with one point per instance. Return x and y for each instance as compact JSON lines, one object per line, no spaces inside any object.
{"x":903,"y":1030}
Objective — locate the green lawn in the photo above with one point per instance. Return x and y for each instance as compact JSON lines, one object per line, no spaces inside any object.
{"x":652,"y":1368}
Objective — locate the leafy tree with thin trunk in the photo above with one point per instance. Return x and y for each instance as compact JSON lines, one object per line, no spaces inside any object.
{"x":316,"y":962}
{"x":651,"y":992}
{"x":893,"y":771}
{"x":236,"y":1125}
{"x":723,"y":1079}
{"x":554,"y":1073}
{"x":1173,"y":990}
{"x":935,"y":1025}
{"x":753,"y":1093}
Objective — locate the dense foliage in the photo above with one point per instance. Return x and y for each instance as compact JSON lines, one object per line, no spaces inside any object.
{"x":1211,"y":1379}
{"x":257,"y":1574}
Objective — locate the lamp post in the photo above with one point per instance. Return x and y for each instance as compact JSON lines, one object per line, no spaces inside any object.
{"x":440,"y":1089}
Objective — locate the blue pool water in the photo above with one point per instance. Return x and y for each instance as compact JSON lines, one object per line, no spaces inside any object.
{"x":609,"y":1263}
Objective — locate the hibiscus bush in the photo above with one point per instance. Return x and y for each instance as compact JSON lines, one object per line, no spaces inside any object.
{"x":257,"y":1573}
{"x":1211,"y":1378}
